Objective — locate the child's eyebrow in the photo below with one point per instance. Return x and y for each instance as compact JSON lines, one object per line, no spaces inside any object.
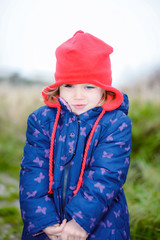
{"x":90,"y":84}
{"x":67,"y":84}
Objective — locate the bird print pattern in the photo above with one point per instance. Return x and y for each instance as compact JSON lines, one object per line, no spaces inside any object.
{"x":99,"y":206}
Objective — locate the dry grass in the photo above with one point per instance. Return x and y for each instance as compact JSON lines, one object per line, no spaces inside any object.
{"x":17,"y":103}
{"x":143,"y":184}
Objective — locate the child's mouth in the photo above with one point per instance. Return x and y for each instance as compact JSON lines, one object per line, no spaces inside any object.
{"x":79,"y":106}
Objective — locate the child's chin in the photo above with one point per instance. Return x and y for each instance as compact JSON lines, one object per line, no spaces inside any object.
{"x":78,"y":112}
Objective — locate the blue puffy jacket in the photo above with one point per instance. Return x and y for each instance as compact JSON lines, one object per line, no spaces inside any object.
{"x":99,"y":206}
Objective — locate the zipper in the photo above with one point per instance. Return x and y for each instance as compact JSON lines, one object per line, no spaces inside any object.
{"x":64,"y":188}
{"x":65,"y":181}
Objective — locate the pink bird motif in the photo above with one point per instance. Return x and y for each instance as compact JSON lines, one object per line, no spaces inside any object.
{"x":126,"y":210}
{"x":64,"y":158}
{"x":34,"y":116}
{"x":62,"y":139}
{"x":62,"y":112}
{"x":83,"y":131}
{"x":92,"y":161}
{"x":110,"y":195}
{"x":90,"y":174}
{"x":105,"y":209}
{"x":113,"y":121}
{"x":24,"y":171}
{"x":86,"y":196}
{"x":41,"y":210}
{"x":30,"y":226}
{"x":23,"y":214}
{"x":22,"y":159}
{"x":47,"y":198}
{"x":87,"y":161}
{"x":121,"y":144}
{"x":113,"y":231}
{"x":117,"y":199}
{"x":123,"y":103}
{"x":69,"y":121}
{"x":126,"y":160}
{"x":30,"y":195}
{"x":109,"y":224}
{"x":36,"y":132}
{"x":21,"y":189}
{"x":72,"y":188}
{"x":61,"y":168}
{"x":96,"y":142}
{"x":45,"y":112}
{"x":77,"y":214}
{"x":109,"y":138}
{"x":86,"y":114}
{"x":72,"y":163}
{"x":40,"y":162}
{"x":119,"y":174}
{"x":100,"y":186}
{"x":60,"y":127}
{"x":104,"y":170}
{"x":71,"y":145}
{"x":98,"y":126}
{"x":46,"y":133}
{"x":103,"y":224}
{"x":124,"y":125}
{"x":39,"y":179}
{"x":117,"y":214}
{"x":40,"y":123}
{"x":69,"y":198}
{"x":128,"y":148}
{"x":105,"y":154}
{"x":124,"y":233}
{"x":92,"y":236}
{"x":92,"y":222}
{"x":47,"y":151}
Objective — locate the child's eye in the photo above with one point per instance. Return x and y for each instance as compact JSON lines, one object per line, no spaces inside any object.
{"x":90,"y":87}
{"x":68,"y":85}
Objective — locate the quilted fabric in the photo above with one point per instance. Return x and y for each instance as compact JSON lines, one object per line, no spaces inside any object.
{"x":99,"y":206}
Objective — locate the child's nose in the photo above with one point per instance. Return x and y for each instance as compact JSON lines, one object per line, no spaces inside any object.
{"x":78,"y":93}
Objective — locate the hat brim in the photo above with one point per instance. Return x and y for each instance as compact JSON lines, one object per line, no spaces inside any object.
{"x":108,"y":105}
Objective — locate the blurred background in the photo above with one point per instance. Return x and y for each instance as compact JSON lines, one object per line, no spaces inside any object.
{"x":30,"y":31}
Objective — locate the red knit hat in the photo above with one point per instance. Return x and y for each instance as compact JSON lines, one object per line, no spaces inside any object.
{"x":85,"y":59}
{"x":82,"y":59}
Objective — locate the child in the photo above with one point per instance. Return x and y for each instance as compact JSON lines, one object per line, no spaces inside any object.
{"x":77,"y":151}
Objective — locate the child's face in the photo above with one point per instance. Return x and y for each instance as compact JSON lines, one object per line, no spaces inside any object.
{"x":81,"y":97}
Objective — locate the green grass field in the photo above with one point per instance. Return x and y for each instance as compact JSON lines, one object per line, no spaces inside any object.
{"x":143,"y":183}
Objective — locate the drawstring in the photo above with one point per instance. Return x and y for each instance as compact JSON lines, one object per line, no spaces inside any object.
{"x":80,"y":181}
{"x":52,"y":148}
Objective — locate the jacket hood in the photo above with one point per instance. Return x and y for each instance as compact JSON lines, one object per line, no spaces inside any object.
{"x":124,"y":107}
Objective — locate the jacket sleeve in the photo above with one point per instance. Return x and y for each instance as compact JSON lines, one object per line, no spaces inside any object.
{"x":105,"y":177}
{"x":37,"y":206}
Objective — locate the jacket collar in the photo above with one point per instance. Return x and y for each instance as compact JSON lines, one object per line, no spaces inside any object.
{"x":94,"y":112}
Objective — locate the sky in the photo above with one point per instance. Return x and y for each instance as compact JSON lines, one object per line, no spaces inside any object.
{"x":30,"y":32}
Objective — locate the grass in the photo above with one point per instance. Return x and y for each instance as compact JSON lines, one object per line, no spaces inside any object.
{"x":16,"y":103}
{"x":143,"y":183}
{"x":143,"y":195}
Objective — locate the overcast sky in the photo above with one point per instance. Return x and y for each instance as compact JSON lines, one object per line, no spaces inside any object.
{"x":30,"y":31}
